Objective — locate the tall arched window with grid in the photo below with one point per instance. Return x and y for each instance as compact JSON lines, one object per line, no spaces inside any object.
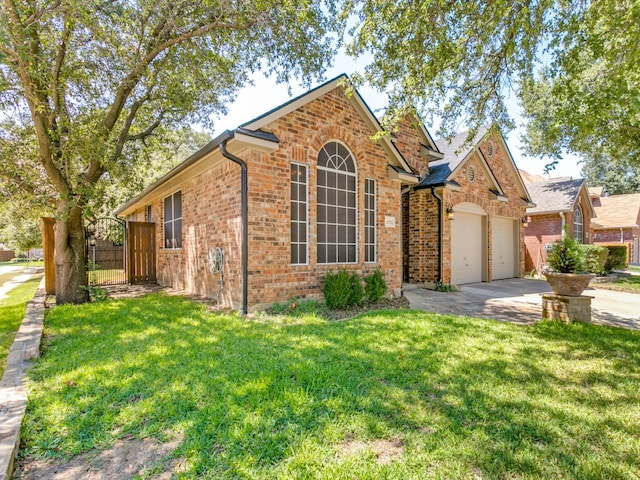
{"x":337,"y":209}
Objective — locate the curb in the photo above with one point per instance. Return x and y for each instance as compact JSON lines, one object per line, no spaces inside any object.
{"x":13,"y":393}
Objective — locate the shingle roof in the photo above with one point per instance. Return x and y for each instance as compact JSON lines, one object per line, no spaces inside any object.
{"x":554,"y":195}
{"x":454,"y":153}
{"x":617,"y":211}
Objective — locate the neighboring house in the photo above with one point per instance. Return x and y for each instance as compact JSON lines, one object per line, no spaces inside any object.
{"x":618,"y":221}
{"x":322,"y":195}
{"x":477,"y":193}
{"x":559,"y":202}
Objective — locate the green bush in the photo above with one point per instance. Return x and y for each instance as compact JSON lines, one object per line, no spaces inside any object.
{"x":375,"y":286}
{"x":596,"y":258}
{"x":617,"y":258}
{"x":337,"y":289}
{"x":566,"y":256}
{"x":342,"y":290}
{"x":356,"y":293}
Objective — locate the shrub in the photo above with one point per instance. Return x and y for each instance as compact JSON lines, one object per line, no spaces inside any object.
{"x":596,"y":258}
{"x":617,"y":258}
{"x":342,"y":290}
{"x":375,"y":286}
{"x":356,"y":293}
{"x":336,"y":289}
{"x":566,"y":256}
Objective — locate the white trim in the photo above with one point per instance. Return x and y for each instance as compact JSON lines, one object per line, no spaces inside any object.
{"x":173,"y":220}
{"x":466,"y":207}
{"x":258,"y":144}
{"x":353,"y":175}
{"x":308,"y":218}
{"x":375,"y":222}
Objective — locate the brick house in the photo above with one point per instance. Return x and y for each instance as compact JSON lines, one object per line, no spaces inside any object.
{"x":559,"y":202}
{"x":617,"y":222}
{"x":304,"y":189}
{"x":320,"y":195}
{"x":463,"y":221}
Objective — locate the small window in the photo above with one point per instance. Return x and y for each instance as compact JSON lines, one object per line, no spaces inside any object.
{"x":578,"y":225}
{"x":147,"y":213}
{"x":370,"y":220}
{"x":173,"y":221}
{"x":299,"y":217}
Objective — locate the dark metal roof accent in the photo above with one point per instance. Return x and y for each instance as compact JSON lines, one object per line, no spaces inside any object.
{"x":260,"y":134}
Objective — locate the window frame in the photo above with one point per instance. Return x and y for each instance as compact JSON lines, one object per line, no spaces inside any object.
{"x":578,"y":213}
{"x":337,"y":205}
{"x":374,"y":226}
{"x":297,"y":221}
{"x":172,"y":221}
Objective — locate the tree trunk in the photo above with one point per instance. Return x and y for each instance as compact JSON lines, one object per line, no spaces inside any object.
{"x":70,"y":258}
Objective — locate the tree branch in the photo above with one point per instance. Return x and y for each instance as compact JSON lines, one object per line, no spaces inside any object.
{"x":131,"y":80}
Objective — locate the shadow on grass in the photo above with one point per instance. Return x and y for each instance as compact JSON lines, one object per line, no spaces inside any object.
{"x":264,"y":400}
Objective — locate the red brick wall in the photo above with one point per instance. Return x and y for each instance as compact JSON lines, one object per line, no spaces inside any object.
{"x":408,"y":140}
{"x":542,"y":229}
{"x":302,"y":133}
{"x":210,"y":219}
{"x":211,"y":212}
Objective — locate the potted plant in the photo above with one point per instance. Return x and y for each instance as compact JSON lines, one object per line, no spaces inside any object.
{"x":568,"y":275}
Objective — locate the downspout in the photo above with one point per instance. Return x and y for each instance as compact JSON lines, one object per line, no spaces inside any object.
{"x":621,"y":235}
{"x":563,"y":223}
{"x":439,"y":199}
{"x":244,"y":214}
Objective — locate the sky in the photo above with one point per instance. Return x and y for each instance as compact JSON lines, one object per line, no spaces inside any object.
{"x":266,"y":94}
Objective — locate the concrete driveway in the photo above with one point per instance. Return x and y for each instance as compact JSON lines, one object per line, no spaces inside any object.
{"x":518,"y":300}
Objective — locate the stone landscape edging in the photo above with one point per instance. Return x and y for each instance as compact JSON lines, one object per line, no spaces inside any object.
{"x":13,"y":392}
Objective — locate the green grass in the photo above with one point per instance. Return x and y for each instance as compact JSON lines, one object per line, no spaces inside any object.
{"x":284,"y":397}
{"x":624,"y":284}
{"x":634,"y":268}
{"x":12,"y":308}
{"x":23,"y":264}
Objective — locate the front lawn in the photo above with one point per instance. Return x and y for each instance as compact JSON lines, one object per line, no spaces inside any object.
{"x":12,"y":308}
{"x":629,"y":284}
{"x":390,"y":394}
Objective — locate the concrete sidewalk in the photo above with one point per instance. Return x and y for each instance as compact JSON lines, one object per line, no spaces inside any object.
{"x":518,"y":301}
{"x":27,"y":273}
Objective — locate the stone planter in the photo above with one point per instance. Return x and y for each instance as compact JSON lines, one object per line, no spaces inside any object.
{"x":569,"y":284}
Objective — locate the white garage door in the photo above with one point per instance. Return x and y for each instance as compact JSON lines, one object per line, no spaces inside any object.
{"x":504,"y":248}
{"x":466,"y":248}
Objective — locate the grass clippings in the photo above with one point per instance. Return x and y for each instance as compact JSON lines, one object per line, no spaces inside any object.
{"x":388,"y":394}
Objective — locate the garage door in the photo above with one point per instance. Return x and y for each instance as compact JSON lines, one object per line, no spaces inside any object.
{"x":466,"y":248}
{"x":504,"y":248}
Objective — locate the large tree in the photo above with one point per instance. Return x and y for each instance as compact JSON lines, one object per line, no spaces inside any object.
{"x":82,"y":81}
{"x":573,"y":62}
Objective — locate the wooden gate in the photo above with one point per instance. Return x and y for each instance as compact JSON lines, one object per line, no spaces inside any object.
{"x":141,"y":252}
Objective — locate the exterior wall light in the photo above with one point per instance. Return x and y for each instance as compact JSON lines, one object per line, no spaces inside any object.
{"x":450,"y":213}
{"x":525,"y":221}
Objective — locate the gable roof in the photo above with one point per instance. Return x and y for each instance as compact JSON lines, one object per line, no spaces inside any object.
{"x":557,"y":195}
{"x":618,"y":211}
{"x":456,"y":151}
{"x":356,"y":100}
{"x":250,"y":135}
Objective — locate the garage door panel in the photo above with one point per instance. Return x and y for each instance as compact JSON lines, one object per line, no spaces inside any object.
{"x":504,"y":248}
{"x":466,"y":248}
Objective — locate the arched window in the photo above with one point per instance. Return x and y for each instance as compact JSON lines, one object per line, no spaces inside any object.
{"x":578,"y":225}
{"x":336,"y":219}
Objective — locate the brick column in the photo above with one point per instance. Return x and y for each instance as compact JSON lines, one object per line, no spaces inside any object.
{"x":566,"y":309}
